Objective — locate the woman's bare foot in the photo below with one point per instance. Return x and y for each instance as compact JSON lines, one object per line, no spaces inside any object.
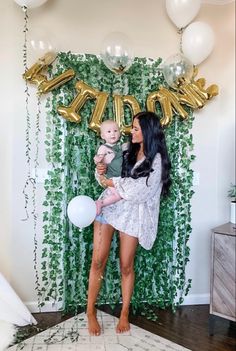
{"x":123,"y":324}
{"x":93,"y":325}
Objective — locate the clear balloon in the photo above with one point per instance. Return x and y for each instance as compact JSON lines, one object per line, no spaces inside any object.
{"x":198,"y":42}
{"x":30,"y":3}
{"x":81,"y":211}
{"x":41,"y":45}
{"x":182,"y":12}
{"x":176,"y":70}
{"x":117,"y":53}
{"x":40,"y":42}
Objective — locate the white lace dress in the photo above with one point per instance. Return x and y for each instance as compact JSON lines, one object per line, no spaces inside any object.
{"x":138,"y":211}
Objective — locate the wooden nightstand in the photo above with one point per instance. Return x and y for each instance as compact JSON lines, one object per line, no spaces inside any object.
{"x":223,"y":274}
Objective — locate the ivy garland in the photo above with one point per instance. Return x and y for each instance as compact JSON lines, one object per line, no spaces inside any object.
{"x":70,"y":148}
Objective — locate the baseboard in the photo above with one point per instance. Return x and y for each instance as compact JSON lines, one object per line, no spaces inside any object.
{"x":192,"y":299}
{"x":48,"y":307}
{"x":197,"y":299}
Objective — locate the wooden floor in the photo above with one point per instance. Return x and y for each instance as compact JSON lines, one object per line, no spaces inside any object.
{"x":187,"y":327}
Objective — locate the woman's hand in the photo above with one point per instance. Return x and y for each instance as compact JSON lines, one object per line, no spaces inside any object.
{"x":101,"y":168}
{"x":105,"y":182}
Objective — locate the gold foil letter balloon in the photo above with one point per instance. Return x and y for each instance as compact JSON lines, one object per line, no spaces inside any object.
{"x":34,"y":74}
{"x":119,"y":103}
{"x":169,"y":102}
{"x":85,"y":92}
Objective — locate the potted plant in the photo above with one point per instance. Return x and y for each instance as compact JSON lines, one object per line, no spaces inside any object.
{"x":232,"y":195}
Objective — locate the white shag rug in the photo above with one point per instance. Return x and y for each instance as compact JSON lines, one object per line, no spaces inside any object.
{"x":72,"y":335}
{"x":7,"y":332}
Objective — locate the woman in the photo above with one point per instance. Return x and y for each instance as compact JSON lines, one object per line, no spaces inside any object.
{"x":144,"y":177}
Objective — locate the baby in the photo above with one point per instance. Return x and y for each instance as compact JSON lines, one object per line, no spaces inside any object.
{"x":111,"y":154}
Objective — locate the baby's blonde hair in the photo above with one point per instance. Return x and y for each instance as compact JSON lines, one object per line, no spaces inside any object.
{"x":106,"y":123}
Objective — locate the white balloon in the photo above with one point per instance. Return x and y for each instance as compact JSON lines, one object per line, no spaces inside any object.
{"x":30,"y":3}
{"x":81,"y":211}
{"x":197,"y":42}
{"x":182,"y":12}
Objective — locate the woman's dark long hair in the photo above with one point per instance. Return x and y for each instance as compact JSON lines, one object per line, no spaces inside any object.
{"x":153,"y":143}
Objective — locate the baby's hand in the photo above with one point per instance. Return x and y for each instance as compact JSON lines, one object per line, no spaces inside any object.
{"x":99,"y":158}
{"x":101,"y":168}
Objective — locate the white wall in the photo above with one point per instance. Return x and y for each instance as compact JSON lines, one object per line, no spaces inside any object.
{"x":80,"y":26}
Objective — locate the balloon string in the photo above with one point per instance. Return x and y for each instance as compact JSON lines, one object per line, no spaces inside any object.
{"x":27,"y":95}
{"x":25,"y":30}
{"x":35,"y":251}
{"x":180,"y":32}
{"x":29,"y":181}
{"x":34,"y":197}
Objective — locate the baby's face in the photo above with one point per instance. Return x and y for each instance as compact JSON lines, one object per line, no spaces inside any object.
{"x":110,"y":133}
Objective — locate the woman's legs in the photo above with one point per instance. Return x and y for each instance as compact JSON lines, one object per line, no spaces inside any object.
{"x":128,"y":245}
{"x":101,"y":246}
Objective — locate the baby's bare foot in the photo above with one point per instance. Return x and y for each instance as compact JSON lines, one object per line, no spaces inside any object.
{"x":93,"y":325}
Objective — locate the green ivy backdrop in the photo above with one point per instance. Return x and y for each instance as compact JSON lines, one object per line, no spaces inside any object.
{"x":160,"y":272}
